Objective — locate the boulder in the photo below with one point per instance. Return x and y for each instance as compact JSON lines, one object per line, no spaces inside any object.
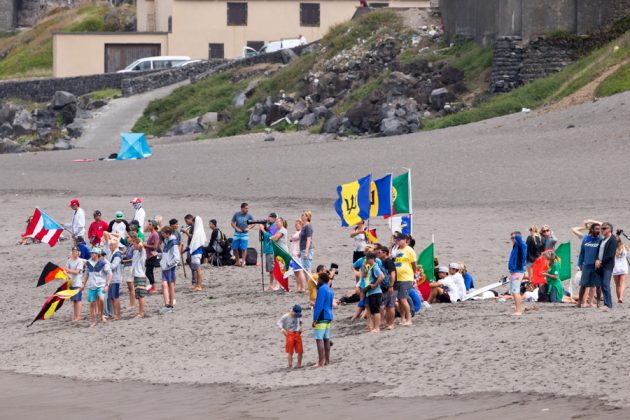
{"x":6,"y":130}
{"x":438,"y":98}
{"x":62,"y":98}
{"x":251,"y":88}
{"x":62,"y":145}
{"x":239,"y":99}
{"x":321,"y":111}
{"x":190,"y":126}
{"x":7,"y":112}
{"x":23,"y":123}
{"x":331,"y":125}
{"x":288,"y":56}
{"x":299,"y":110}
{"x":393,"y":127}
{"x":451,"y":75}
{"x":68,"y":113}
{"x":10,"y":146}
{"x":309,"y":120}
{"x":209,"y":119}
{"x":328,"y":102}
{"x":74,"y":130}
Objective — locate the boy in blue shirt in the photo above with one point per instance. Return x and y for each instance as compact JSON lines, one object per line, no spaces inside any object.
{"x":322,"y":317}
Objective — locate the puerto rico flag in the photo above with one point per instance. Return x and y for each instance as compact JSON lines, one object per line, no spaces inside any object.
{"x":43,"y":228}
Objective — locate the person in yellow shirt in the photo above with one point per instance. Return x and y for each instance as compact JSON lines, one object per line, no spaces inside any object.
{"x":405,"y":261}
{"x":314,"y":279}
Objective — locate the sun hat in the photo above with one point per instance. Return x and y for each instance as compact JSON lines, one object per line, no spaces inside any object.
{"x":74,"y":202}
{"x":454,"y":266}
{"x":442,"y":269}
{"x":119,"y":215}
{"x":136,"y":200}
{"x":297,"y":310}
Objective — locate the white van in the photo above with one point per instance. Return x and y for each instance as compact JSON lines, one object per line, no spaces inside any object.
{"x":155,"y":63}
{"x":274,"y":46}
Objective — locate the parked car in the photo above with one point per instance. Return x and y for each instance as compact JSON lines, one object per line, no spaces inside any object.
{"x":274,"y":46}
{"x":155,"y":63}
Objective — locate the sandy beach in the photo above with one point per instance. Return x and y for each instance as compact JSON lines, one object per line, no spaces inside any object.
{"x":472,"y":185}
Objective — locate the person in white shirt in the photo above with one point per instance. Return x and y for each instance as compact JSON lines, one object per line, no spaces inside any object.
{"x":140,"y":214}
{"x":77,"y":226}
{"x":620,"y":272}
{"x":448,"y":288}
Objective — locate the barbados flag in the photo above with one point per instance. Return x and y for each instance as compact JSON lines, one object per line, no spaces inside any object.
{"x":353,"y":204}
{"x":381,"y":196}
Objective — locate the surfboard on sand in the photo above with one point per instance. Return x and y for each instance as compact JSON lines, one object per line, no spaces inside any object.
{"x":477,"y":292}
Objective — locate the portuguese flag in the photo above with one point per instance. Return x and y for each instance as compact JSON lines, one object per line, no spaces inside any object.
{"x":401,"y":195}
{"x":282,"y":262}
{"x":426,"y":261}
{"x":49,"y":273}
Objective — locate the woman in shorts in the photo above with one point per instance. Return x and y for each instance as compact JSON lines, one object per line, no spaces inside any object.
{"x":620,"y":272}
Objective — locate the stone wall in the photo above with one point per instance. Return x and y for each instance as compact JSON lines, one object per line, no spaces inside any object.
{"x":485,"y":20}
{"x":507,"y":64}
{"x":7,"y":15}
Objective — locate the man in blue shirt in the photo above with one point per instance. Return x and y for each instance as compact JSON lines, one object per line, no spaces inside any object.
{"x":241,"y":233}
{"x":589,"y":254}
{"x":322,"y":317}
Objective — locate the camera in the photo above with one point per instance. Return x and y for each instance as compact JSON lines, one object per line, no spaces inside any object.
{"x":257,"y":222}
{"x":619,"y":232}
{"x":334,"y":268}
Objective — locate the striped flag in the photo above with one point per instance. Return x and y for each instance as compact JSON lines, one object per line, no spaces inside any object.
{"x":371,"y":236}
{"x":43,"y":228}
{"x":50,"y":273}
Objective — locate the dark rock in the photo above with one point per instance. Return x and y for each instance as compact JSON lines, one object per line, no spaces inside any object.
{"x":309,"y":120}
{"x":99,"y":103}
{"x":270,"y":137}
{"x":451,"y":75}
{"x":74,"y":130}
{"x":23,"y":123}
{"x":288,"y":56}
{"x":258,"y":109}
{"x":331,"y":125}
{"x":10,"y":146}
{"x":190,"y":126}
{"x":68,"y":113}
{"x":328,"y":102}
{"x":299,"y":110}
{"x":438,"y":98}
{"x":61,"y":99}
{"x":251,"y":88}
{"x":393,"y":127}
{"x":254,"y":120}
{"x":6,"y":130}
{"x":7,"y":112}
{"x":321,"y":111}
{"x":62,"y":145}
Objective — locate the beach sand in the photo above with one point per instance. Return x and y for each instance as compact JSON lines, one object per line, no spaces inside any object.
{"x":472,"y":186}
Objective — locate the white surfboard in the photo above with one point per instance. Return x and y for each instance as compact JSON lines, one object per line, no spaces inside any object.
{"x":477,"y":292}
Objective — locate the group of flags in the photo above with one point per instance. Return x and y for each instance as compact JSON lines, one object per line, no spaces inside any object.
{"x":366,"y":198}
{"x":54,"y":302}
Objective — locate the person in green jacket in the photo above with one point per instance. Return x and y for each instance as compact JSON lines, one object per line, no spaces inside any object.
{"x":554,"y":284}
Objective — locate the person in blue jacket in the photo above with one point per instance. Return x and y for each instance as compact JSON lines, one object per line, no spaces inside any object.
{"x":322,"y":317}
{"x":589,"y":254}
{"x":516,"y":265}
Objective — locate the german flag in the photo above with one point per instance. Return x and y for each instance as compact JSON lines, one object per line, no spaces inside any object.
{"x":51,"y":272}
{"x":371,"y":236}
{"x":52,"y":304}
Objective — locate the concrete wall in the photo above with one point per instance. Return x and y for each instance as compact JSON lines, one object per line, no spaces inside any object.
{"x":484,"y":20}
{"x":79,"y":54}
{"x":7,"y":15}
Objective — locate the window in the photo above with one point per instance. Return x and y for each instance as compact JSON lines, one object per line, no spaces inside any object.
{"x":379,"y":5}
{"x":145,"y":65}
{"x":237,"y":14}
{"x":309,"y":14}
{"x":162,"y":64}
{"x":170,"y":24}
{"x":256,"y":45}
{"x":215,"y":51}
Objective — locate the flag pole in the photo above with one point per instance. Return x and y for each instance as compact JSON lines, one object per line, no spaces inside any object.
{"x":410,"y":203}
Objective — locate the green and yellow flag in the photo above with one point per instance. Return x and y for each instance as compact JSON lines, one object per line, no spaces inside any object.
{"x":401,"y":194}
{"x":563,"y":252}
{"x":426,"y":261}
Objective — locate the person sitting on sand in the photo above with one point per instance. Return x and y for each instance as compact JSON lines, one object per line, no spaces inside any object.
{"x":554,"y":284}
{"x":27,"y":239}
{"x":322,"y":318}
{"x":97,"y":278}
{"x":469,"y":281}
{"x":290,"y":325}
{"x":446,"y":288}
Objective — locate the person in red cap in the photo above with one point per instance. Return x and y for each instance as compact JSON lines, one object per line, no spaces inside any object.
{"x":77,"y":226}
{"x":140,"y":214}
{"x":97,"y":228}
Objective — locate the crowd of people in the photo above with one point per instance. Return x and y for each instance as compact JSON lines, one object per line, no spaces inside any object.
{"x":389,"y":282}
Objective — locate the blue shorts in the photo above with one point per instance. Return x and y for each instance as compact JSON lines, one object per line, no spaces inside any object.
{"x":169,"y":275}
{"x":113,"y":291}
{"x":240,"y":241}
{"x":78,"y":296}
{"x":307,"y":262}
{"x":321,"y":331}
{"x":93,"y":294}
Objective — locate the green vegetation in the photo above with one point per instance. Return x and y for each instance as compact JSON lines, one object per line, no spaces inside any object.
{"x":29,"y":53}
{"x":541,"y":91}
{"x":214,"y":94}
{"x":105,"y":94}
{"x":618,"y":82}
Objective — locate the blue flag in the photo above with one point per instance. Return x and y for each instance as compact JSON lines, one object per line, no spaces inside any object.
{"x":381,"y":197}
{"x":353,"y":204}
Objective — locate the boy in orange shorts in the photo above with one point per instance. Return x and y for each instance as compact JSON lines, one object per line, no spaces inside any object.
{"x":291,"y":326}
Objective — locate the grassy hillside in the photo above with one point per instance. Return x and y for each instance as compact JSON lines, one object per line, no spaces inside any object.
{"x":553,"y":88}
{"x":29,"y":53}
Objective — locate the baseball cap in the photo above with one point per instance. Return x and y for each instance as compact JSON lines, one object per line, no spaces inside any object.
{"x":442,"y":269}
{"x":136,"y":200}
{"x":119,"y":215}
{"x":273,"y":215}
{"x":454,"y":266}
{"x":74,"y":202}
{"x":297,"y":310}
{"x":400,"y":236}
{"x":95,"y":250}
{"x":154,"y":223}
{"x":97,"y":213}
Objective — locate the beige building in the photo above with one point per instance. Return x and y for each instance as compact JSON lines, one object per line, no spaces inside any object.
{"x":203,"y":29}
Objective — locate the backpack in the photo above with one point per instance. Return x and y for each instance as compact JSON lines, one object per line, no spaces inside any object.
{"x":252,"y":256}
